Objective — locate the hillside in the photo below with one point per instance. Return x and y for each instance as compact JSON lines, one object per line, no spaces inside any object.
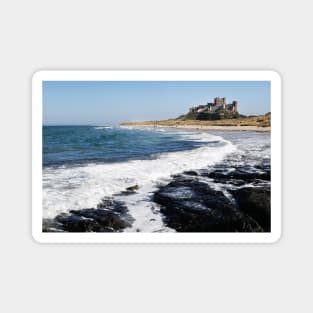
{"x":209,"y":116}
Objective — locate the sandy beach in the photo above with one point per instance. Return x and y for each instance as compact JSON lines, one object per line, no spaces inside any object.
{"x":205,"y":127}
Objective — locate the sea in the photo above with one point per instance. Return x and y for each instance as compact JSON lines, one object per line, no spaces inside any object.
{"x":84,"y":164}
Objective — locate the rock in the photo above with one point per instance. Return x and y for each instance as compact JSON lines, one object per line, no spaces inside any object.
{"x":189,"y":205}
{"x":51,"y":226}
{"x":239,"y":174}
{"x":256,"y":203}
{"x":132,"y":188}
{"x":106,"y":218}
{"x":129,"y":190}
{"x":75,"y":223}
{"x":110,"y":216}
{"x":191,"y":173}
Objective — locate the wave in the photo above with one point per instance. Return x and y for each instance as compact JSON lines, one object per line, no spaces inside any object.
{"x":66,"y":189}
{"x":103,"y":127}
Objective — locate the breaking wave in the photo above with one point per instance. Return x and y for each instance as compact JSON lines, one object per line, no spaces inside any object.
{"x":76,"y":187}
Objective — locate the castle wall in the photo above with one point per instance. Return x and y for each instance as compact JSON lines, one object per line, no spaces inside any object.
{"x":216,"y":105}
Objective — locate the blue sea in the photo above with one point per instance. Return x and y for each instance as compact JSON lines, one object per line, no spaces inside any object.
{"x":73,"y":145}
{"x":84,"y":164}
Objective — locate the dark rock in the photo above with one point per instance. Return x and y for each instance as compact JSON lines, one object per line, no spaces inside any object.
{"x":191,"y":173}
{"x":255,"y":202}
{"x":239,"y":174}
{"x":203,"y":172}
{"x":110,"y":216}
{"x":76,"y":223}
{"x":104,"y":217}
{"x":113,"y":205}
{"x":51,"y":226}
{"x":189,"y":205}
{"x":129,"y":190}
{"x":264,"y":166}
{"x":132,"y":188}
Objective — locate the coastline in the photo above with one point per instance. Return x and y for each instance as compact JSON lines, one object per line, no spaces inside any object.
{"x":202,"y":127}
{"x":217,"y":188}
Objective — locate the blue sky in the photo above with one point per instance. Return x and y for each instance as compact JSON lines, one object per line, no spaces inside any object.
{"x":105,"y":102}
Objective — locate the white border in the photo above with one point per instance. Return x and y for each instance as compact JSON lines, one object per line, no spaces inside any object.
{"x":41,"y":76}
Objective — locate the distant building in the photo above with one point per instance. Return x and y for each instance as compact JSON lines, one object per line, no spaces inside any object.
{"x":219,"y":101}
{"x":235,"y":106}
{"x":218,"y":105}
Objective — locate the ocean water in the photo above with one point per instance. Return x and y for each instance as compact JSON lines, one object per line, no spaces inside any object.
{"x":84,"y":164}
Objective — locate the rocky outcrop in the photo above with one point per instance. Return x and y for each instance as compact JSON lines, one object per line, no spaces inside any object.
{"x":109,"y":216}
{"x":255,"y":202}
{"x":191,"y":205}
{"x":225,"y":199}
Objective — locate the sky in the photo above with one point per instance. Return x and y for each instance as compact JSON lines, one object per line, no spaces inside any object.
{"x":113,"y":102}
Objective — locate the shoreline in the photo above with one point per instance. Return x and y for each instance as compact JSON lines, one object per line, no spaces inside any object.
{"x":187,"y":201}
{"x":203,"y":127}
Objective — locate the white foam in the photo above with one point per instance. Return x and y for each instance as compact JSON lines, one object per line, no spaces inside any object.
{"x":65,"y":189}
{"x":103,"y":127}
{"x":146,"y":213}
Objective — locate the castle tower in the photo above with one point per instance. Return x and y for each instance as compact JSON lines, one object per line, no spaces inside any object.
{"x":224,"y":103}
{"x":235,"y":106}
{"x":218,"y":101}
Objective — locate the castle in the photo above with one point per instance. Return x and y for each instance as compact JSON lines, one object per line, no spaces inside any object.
{"x":218,"y":105}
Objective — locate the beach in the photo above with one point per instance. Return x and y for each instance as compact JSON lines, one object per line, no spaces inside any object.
{"x":204,"y":127}
{"x":261,"y":123}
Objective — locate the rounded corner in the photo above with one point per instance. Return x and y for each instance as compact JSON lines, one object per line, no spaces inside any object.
{"x":275,"y":75}
{"x":37,"y":76}
{"x":276,"y":238}
{"x":36,"y":236}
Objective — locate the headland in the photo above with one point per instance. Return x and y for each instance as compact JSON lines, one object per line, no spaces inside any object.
{"x":217,"y":115}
